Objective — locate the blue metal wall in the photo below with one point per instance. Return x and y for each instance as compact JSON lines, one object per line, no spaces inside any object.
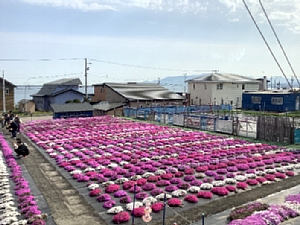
{"x":289,"y":102}
{"x":72,"y":114}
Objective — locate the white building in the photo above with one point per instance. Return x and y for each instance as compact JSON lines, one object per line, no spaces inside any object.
{"x":220,"y":88}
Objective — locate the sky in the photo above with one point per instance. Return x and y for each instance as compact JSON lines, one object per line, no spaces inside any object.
{"x":137,"y":40}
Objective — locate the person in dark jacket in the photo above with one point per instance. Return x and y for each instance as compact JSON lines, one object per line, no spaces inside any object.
{"x":13,"y":128}
{"x":21,"y":149}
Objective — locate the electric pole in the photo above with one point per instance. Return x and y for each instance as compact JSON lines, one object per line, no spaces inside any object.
{"x":3,"y":93}
{"x":86,"y":68}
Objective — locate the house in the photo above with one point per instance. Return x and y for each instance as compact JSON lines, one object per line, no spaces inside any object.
{"x":134,"y":94}
{"x":272,"y":100}
{"x":9,"y":95}
{"x":26,"y":105}
{"x":106,"y":108}
{"x":220,"y":88}
{"x":71,"y":110}
{"x":57,"y":92}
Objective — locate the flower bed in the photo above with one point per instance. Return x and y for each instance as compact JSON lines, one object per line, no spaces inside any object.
{"x":27,"y":206}
{"x":118,"y":153}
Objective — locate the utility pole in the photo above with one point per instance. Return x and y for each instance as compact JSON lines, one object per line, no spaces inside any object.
{"x":86,"y":68}
{"x":3,"y":93}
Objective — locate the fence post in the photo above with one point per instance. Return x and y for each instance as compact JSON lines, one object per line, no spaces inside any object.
{"x":164,"y":213}
{"x":202,"y":218}
{"x":133,"y":205}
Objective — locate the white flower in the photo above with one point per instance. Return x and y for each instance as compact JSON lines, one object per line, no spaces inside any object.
{"x":297,"y":166}
{"x":112,"y":165}
{"x":280,"y":169}
{"x":75,"y":158}
{"x":179,"y":193}
{"x":230,"y":181}
{"x":147,"y":174}
{"x":200,"y":175}
{"x":260,"y":173}
{"x":88,"y":169}
{"x":218,"y":183}
{"x":145,"y":159}
{"x":93,"y":186}
{"x":115,"y":210}
{"x":162,"y":196}
{"x":290,"y":167}
{"x":74,"y":150}
{"x":266,"y":182}
{"x":121,"y":180}
{"x":100,"y":167}
{"x":122,"y":163}
{"x":206,"y":186}
{"x":75,"y":172}
{"x":193,"y":189}
{"x":150,"y":200}
{"x":137,"y":204}
{"x":175,"y":155}
{"x":240,"y":178}
{"x":156,"y":157}
{"x":135,"y":177}
{"x":250,"y":175}
{"x":105,"y":184}
{"x":160,"y":172}
{"x":270,"y":171}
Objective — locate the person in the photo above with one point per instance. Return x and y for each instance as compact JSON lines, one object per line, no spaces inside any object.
{"x":21,"y":149}
{"x":13,"y":127}
{"x":18,"y":121}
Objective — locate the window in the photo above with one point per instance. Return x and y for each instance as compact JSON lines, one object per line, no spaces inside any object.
{"x":193,"y":86}
{"x":7,"y":91}
{"x":255,"y":99}
{"x":243,"y":86}
{"x":277,"y":101}
{"x":219,"y":86}
{"x":205,"y":86}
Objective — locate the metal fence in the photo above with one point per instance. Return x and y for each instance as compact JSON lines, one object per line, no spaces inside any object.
{"x":262,"y":127}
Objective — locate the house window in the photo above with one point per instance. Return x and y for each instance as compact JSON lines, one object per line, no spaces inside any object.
{"x":243,"y":86}
{"x":7,"y":91}
{"x":219,"y":86}
{"x":205,"y":86}
{"x":255,"y":99}
{"x":193,"y":86}
{"x":101,"y":90}
{"x":276,"y":101}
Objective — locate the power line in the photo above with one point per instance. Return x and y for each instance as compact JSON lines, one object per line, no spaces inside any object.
{"x":261,"y":34}
{"x":147,"y":67}
{"x":279,"y":41}
{"x":26,"y":60}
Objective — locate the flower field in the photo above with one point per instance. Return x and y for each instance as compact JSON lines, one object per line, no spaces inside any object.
{"x":120,"y":159}
{"x":17,"y":203}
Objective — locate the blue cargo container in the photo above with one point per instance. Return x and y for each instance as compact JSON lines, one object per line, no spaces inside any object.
{"x":275,"y":101}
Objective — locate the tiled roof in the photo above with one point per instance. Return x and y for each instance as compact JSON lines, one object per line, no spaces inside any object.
{"x":65,"y":81}
{"x":223,"y":77}
{"x":72,"y":107}
{"x":65,"y":90}
{"x":143,"y":91}
{"x":105,"y":106}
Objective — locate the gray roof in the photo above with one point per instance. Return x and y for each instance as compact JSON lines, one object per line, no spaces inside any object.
{"x":72,"y":107}
{"x":223,"y":77}
{"x":65,"y":81}
{"x":143,"y":91}
{"x":106,"y":106}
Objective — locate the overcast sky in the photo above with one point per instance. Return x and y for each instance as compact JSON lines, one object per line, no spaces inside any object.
{"x":136,"y":40}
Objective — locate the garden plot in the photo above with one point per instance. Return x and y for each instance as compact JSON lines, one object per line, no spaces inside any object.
{"x":114,"y":161}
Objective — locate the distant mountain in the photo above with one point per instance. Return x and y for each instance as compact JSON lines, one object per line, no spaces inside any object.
{"x":174,"y":83}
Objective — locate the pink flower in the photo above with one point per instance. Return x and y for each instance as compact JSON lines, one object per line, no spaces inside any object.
{"x":242,"y":185}
{"x":191,"y":198}
{"x":121,"y":217}
{"x":156,"y":207}
{"x":222,"y":191}
{"x":112,"y":188}
{"x":95,"y":192}
{"x":138,"y":212}
{"x":174,"y":202}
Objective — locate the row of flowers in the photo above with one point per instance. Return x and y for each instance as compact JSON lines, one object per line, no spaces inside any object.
{"x":263,"y":214}
{"x":26,"y":207}
{"x":113,"y":154}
